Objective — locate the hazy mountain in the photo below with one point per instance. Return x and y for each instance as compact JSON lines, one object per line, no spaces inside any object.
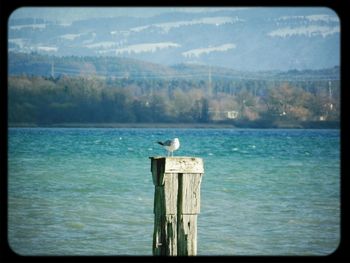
{"x":252,"y":39}
{"x":126,"y":68}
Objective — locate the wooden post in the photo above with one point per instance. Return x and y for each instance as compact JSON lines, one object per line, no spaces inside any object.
{"x":176,"y":204}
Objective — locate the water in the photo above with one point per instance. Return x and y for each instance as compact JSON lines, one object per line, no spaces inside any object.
{"x":90,"y":191}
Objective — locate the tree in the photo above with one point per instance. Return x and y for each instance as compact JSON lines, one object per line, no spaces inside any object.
{"x":158,"y":109}
{"x":205,"y":110}
{"x":246,"y":105}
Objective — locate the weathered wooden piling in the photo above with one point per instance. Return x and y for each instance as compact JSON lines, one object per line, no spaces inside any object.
{"x":176,"y":204}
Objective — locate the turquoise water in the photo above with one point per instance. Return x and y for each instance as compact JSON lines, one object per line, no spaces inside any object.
{"x":90,"y":191}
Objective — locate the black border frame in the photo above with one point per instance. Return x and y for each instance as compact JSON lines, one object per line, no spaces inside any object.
{"x":339,"y":6}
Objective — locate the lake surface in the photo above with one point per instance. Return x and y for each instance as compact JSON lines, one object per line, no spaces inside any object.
{"x":90,"y":191}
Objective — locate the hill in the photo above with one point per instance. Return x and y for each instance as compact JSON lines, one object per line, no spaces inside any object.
{"x":125,"y":68}
{"x":247,"y":39}
{"x":46,"y":90}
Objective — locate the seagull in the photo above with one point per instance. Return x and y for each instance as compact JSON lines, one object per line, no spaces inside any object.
{"x":171,"y":145}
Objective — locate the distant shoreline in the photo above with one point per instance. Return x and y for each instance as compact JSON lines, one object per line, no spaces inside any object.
{"x":236,"y":125}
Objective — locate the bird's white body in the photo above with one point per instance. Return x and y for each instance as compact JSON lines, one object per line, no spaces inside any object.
{"x":171,"y":145}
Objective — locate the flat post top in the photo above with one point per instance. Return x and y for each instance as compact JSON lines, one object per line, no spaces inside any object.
{"x":179,"y":164}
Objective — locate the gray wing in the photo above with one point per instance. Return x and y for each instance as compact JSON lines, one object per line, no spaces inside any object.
{"x":167,"y":143}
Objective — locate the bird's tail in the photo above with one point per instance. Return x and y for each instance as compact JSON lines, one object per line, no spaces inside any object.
{"x":160,"y":143}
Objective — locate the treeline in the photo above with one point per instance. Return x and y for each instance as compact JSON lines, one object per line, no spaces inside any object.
{"x":34,"y":64}
{"x":42,"y":100}
{"x":110,"y":67}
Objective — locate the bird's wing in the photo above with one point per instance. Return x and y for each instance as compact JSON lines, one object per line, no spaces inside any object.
{"x":167,"y":143}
